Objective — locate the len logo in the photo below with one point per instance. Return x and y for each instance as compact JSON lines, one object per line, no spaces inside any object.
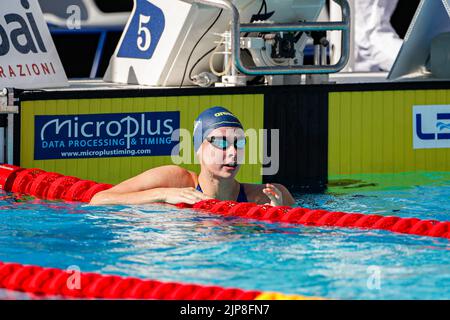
{"x":441,"y":126}
{"x":431,"y":126}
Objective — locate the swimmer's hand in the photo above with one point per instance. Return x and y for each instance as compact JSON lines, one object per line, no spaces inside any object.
{"x":183,"y":195}
{"x":274,"y":194}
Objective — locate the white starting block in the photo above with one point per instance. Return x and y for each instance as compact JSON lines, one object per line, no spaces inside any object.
{"x":186,"y":42}
{"x":424,"y":53}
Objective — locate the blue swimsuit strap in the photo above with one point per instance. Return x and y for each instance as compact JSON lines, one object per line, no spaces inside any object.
{"x":242,"y":197}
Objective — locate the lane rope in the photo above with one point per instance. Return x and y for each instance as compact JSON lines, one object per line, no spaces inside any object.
{"x":54,"y":186}
{"x":54,"y":282}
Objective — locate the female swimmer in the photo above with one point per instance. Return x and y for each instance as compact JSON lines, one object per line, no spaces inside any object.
{"x":219,"y":143}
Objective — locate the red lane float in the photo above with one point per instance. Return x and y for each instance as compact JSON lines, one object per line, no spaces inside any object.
{"x":54,"y":186}
{"x":48,"y":185}
{"x":323,"y":218}
{"x":8,"y":174}
{"x":55,"y":282}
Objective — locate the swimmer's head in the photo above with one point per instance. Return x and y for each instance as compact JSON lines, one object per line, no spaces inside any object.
{"x":219,"y":142}
{"x":210,"y":119}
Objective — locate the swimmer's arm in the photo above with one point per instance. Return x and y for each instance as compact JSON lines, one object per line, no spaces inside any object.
{"x":138,"y":197}
{"x":148,"y":187}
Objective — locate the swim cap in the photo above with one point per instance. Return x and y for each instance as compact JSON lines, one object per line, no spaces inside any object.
{"x":210,"y":119}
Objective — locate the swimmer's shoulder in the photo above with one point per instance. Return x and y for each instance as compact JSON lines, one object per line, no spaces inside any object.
{"x":170,"y":176}
{"x":185,"y":177}
{"x":175,"y":176}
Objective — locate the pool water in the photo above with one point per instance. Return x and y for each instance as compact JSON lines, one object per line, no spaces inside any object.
{"x":164,"y":243}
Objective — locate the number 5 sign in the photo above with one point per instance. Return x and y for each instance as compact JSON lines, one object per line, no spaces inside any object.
{"x":156,"y":29}
{"x":144,"y":31}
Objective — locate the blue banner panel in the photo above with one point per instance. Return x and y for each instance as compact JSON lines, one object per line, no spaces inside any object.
{"x":106,"y":135}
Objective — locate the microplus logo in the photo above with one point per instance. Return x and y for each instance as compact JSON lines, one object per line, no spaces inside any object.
{"x":105,"y":135}
{"x":431,"y":126}
{"x":144,"y":31}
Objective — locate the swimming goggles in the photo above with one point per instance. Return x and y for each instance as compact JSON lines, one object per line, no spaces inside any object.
{"x":223,"y":143}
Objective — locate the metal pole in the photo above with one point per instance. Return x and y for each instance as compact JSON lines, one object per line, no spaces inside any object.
{"x":10,"y":139}
{"x":317,"y":54}
{"x":323,"y":54}
{"x":2,"y":144}
{"x":8,"y":107}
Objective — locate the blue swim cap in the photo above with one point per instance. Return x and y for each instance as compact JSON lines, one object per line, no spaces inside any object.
{"x":210,"y":119}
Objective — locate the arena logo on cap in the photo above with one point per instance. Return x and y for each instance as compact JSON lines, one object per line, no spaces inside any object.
{"x":28,"y":55}
{"x":431,"y":126}
{"x":220,"y":114}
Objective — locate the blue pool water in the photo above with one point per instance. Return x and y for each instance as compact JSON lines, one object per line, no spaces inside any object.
{"x":164,"y":243}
